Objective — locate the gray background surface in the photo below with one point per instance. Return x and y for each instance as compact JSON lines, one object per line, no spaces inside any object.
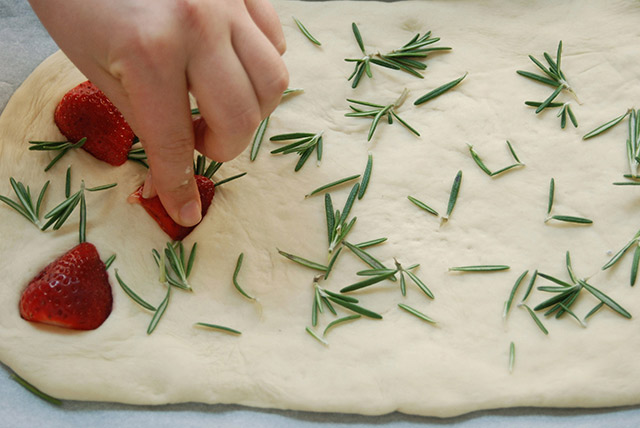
{"x":23,"y":45}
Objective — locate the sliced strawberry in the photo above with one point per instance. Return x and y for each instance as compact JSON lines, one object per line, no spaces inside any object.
{"x":71,"y":292}
{"x":85,"y":111}
{"x":154,"y":207}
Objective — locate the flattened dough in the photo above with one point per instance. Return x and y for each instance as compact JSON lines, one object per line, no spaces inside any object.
{"x":369,"y":367}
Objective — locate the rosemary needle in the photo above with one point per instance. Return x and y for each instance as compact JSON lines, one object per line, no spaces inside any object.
{"x":332,"y":184}
{"x":416,"y":313}
{"x":535,"y":318}
{"x":453,"y":196}
{"x":129,"y":292}
{"x":514,"y":289}
{"x":340,"y":321}
{"x":552,"y":190}
{"x":439,"y":91}
{"x":316,"y":336}
{"x":160,"y":311}
{"x":602,"y":128}
{"x":36,"y":391}
{"x":218,"y":327}
{"x":258,"y":137}
{"x":306,"y":32}
{"x":479,"y":268}
{"x":512,"y":356}
{"x":304,"y":262}
{"x":422,"y":205}
{"x":235,"y":277}
{"x":366,"y":176}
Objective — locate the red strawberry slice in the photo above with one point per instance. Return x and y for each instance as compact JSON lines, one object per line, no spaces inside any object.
{"x":154,"y":207}
{"x":71,"y":292}
{"x":85,"y":111}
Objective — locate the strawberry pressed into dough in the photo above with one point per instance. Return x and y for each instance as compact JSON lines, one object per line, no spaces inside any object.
{"x":399,"y":363}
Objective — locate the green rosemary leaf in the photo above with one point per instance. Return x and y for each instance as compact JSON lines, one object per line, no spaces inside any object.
{"x":403,"y":284}
{"x":212,"y":169}
{"x":23,"y":196}
{"x":552,"y":192}
{"x":18,"y":208}
{"x":360,"y":69}
{"x":306,"y":32}
{"x":403,"y":122}
{"x":228,"y":179}
{"x":595,"y":309}
{"x":218,"y":327}
{"x":366,"y":176}
{"x":620,"y":253}
{"x":364,"y":256}
{"x":439,"y":91}
{"x":505,"y":169}
{"x":552,"y":289}
{"x":103,"y":187}
{"x":538,"y":78}
{"x":176,"y":265}
{"x":563,"y":117}
{"x":538,"y":104}
{"x":340,"y":321}
{"x":332,"y":261}
{"x":453,"y":196}
{"x":371,"y":243}
{"x":551,"y":97}
{"x":530,"y":286}
{"x":479,"y":268}
{"x":83,"y":218}
{"x":235,"y":278}
{"x":129,"y":292}
{"x":367,"y":282}
{"x":375,"y":272}
{"x":570,"y":312}
{"x":258,"y":137}
{"x":570,"y":219}
{"x":365,"y":103}
{"x":355,"y":308}
{"x":316,"y":337}
{"x":36,"y":391}
{"x":554,"y":279}
{"x":572,"y":117}
{"x":332,"y":184}
{"x":626,"y":183}
{"x":109,"y":262}
{"x":376,"y":120}
{"x":314,"y":310}
{"x":349,"y":203}
{"x":344,"y":297}
{"x":419,"y":283}
{"x":304,"y":262}
{"x":330,"y":216}
{"x":602,"y":128}
{"x":558,"y":56}
{"x":572,"y":275}
{"x":303,"y":159}
{"x":422,"y":205}
{"x":416,"y":313}
{"x":400,"y":65}
{"x":512,"y":356}
{"x":160,"y":311}
{"x":558,"y":298}
{"x":191,"y":260}
{"x":605,"y":299}
{"x":384,"y":62}
{"x":535,"y":318}
{"x":67,"y":212}
{"x":319,"y":150}
{"x":514,"y":289}
{"x":67,"y":183}
{"x":478,"y":161}
{"x":291,"y":136}
{"x":356,"y":33}
{"x":328,"y":304}
{"x":634,"y":265}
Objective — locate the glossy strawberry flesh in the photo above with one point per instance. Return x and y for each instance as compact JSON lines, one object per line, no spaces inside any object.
{"x":85,"y":111}
{"x":71,"y":292}
{"x":154,"y":207}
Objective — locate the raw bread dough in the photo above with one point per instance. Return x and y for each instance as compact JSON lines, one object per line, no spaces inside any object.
{"x":370,"y":367}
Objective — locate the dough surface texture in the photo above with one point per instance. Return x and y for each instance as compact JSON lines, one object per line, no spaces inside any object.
{"x":398,"y":363}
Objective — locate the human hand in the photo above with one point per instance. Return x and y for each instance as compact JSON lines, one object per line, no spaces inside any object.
{"x":147,"y":55}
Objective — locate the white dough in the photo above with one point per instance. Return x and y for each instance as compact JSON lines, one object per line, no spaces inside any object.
{"x":370,"y":367}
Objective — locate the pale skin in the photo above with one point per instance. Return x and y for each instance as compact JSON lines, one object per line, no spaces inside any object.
{"x":148,"y":55}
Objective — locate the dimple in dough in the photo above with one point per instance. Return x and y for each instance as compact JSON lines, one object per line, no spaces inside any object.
{"x":370,"y":367}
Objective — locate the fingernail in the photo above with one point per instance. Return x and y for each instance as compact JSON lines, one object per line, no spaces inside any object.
{"x":190,"y":213}
{"x":147,"y":189}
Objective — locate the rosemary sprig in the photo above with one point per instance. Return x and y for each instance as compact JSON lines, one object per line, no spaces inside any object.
{"x":303,"y":143}
{"x":378,"y":111}
{"x":332,"y":184}
{"x":453,"y":196}
{"x":177,"y":267}
{"x":610,"y":124}
{"x":479,"y":268}
{"x":439,"y":90}
{"x":235,"y":278}
{"x":406,"y":58}
{"x":60,"y":146}
{"x":416,"y":313}
{"x":486,"y":170}
{"x":200,"y":167}
{"x":25,"y":205}
{"x":35,"y":391}
{"x":218,"y":327}
{"x":306,"y":32}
